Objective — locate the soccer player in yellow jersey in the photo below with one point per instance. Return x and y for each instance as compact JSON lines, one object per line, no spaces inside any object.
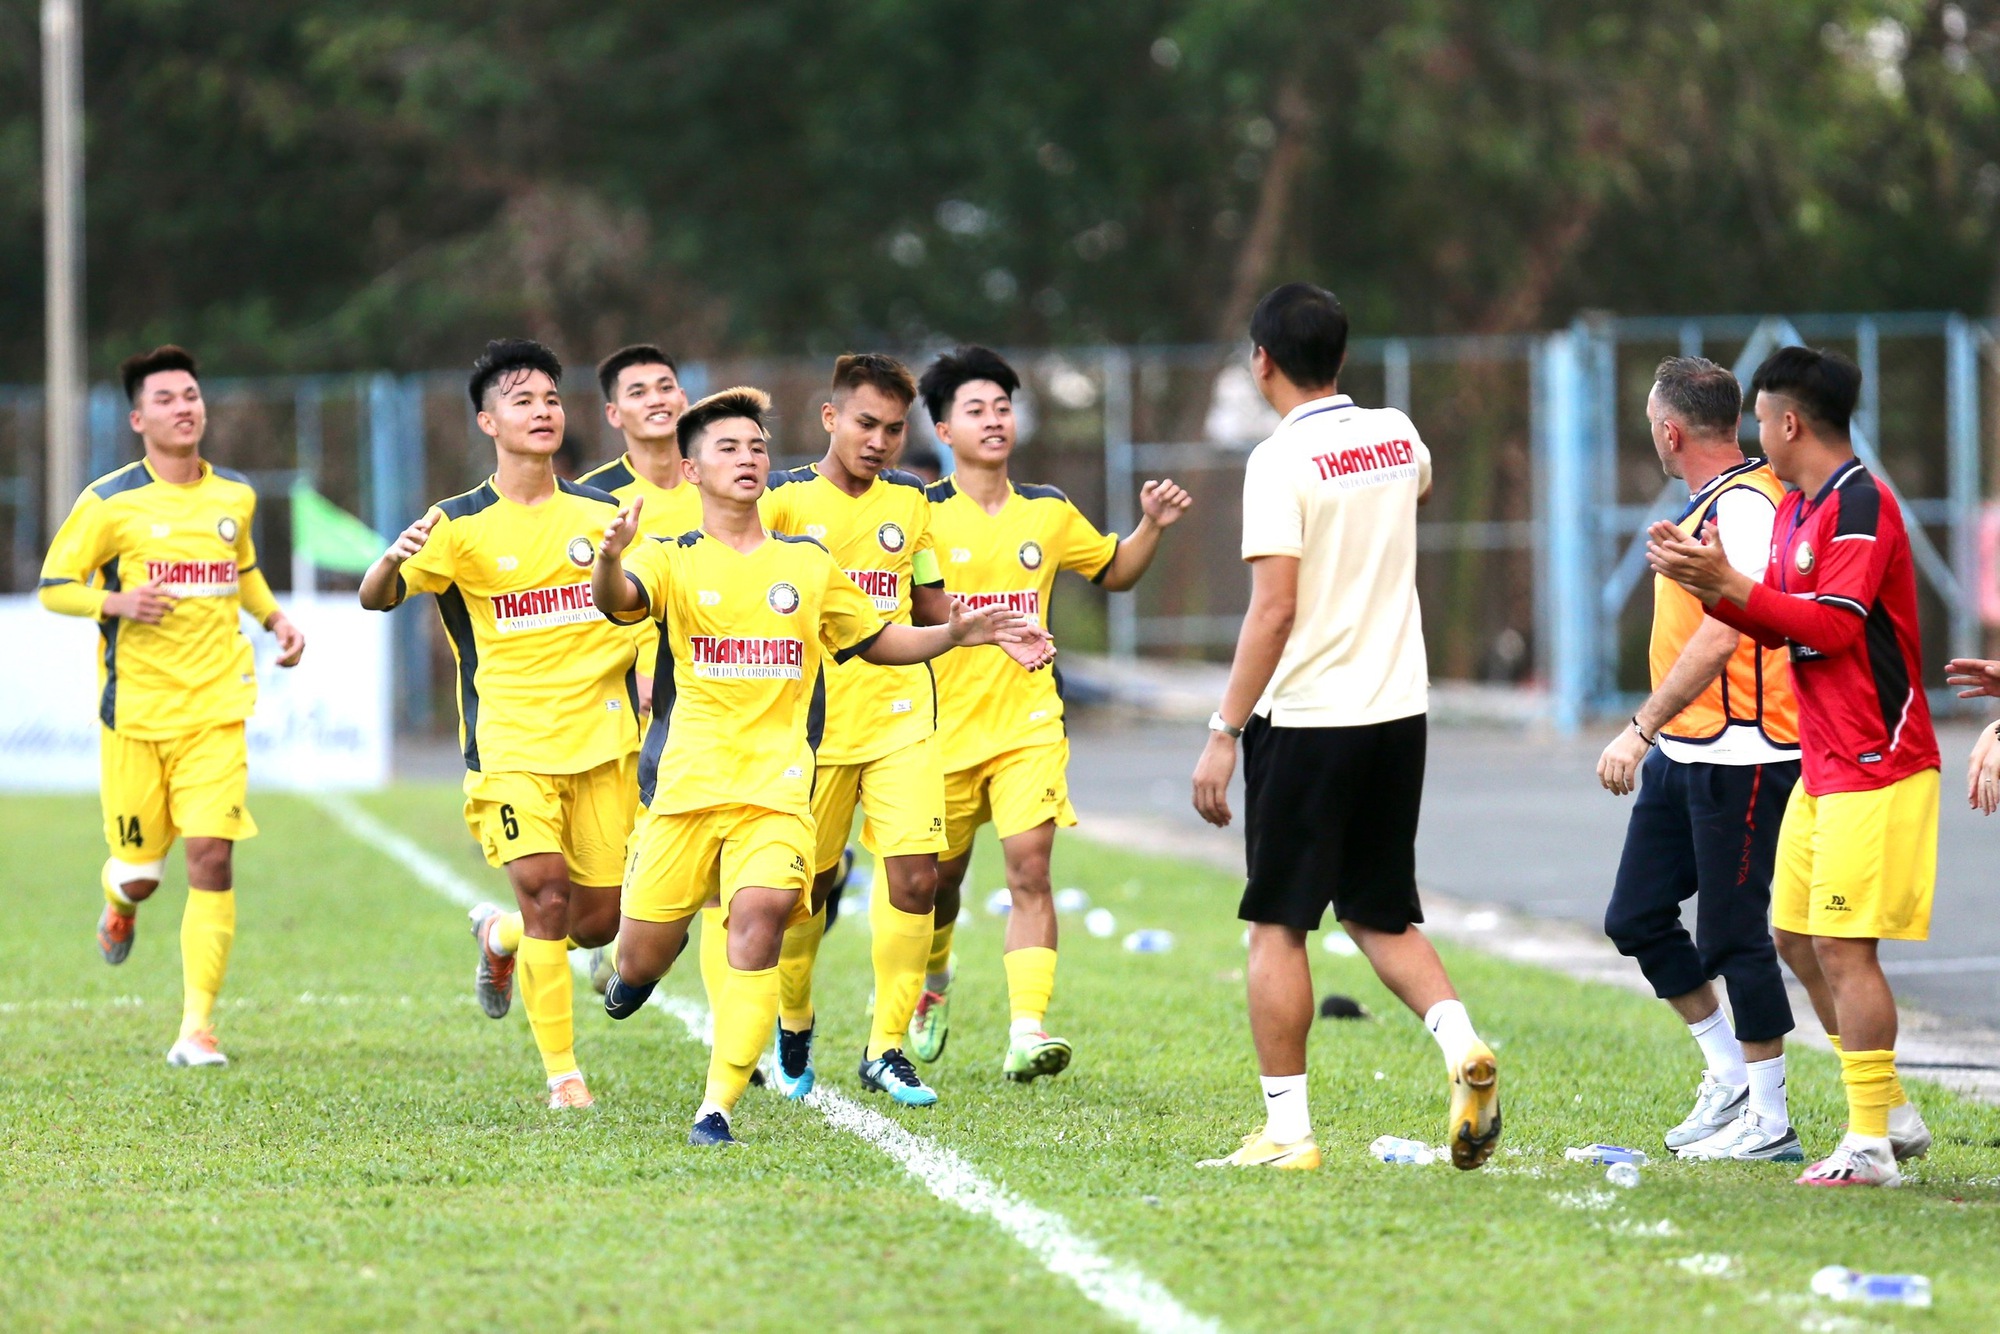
{"x":547,"y":696}
{"x":879,"y":749}
{"x":1005,"y":749}
{"x":643,"y":398}
{"x":159,"y":554}
{"x":746,"y":620}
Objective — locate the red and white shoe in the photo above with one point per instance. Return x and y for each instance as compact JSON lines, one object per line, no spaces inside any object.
{"x":1857,"y":1162}
{"x":568,"y":1092}
{"x":114,"y":934}
{"x":493,"y":977}
{"x":196,"y":1049}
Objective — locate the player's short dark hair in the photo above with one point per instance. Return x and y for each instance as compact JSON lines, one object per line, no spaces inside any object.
{"x":876,"y":370}
{"x":740,"y":401}
{"x":1304,"y":330}
{"x":1825,"y":385}
{"x":1700,"y":393}
{"x":632,"y":354}
{"x":166,"y":357}
{"x":944,"y":377}
{"x":504,"y":356}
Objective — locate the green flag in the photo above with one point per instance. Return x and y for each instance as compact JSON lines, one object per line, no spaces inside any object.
{"x":330,"y":537}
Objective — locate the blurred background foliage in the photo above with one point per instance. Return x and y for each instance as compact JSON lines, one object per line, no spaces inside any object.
{"x":326,"y":184}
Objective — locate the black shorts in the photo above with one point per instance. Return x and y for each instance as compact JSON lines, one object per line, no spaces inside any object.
{"x":1331,"y":818}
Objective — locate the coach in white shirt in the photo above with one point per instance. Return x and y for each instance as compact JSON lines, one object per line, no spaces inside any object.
{"x":1328,"y":693}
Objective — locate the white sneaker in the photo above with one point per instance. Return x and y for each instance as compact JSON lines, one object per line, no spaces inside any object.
{"x":1716,"y":1105}
{"x":1857,"y":1162}
{"x":1909,"y":1137}
{"x":197,"y":1048}
{"x":1747,"y":1139}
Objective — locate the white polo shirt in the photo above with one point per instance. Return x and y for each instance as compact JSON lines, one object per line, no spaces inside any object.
{"x":1336,"y":486}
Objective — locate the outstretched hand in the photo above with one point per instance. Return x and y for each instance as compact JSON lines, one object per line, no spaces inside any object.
{"x":1696,"y":564}
{"x":1036,"y":650}
{"x":411,"y":540}
{"x":1979,"y":676}
{"x":989,"y":625}
{"x":622,"y":529}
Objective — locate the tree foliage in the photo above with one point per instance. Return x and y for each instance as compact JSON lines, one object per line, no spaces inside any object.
{"x":302,"y":184}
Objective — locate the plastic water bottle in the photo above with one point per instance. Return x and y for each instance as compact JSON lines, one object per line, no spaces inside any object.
{"x":1390,"y":1149}
{"x":1845,"y":1285}
{"x":1606,"y":1154}
{"x":1071,"y":901}
{"x":1152,"y":940}
{"x":1622,"y":1174}
{"x":999,"y":903}
{"x":1100,"y":923}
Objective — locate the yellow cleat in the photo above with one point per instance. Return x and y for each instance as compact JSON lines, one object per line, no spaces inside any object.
{"x":1258,"y":1151}
{"x":1474,"y":1129}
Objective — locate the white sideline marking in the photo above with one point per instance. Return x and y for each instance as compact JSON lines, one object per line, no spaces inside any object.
{"x":1121,"y":1290}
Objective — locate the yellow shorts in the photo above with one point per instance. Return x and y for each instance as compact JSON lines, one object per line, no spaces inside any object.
{"x":191,"y":786}
{"x":681,"y":861}
{"x":586,"y":817}
{"x":902,"y":793}
{"x":1859,"y":864}
{"x":1017,"y":790}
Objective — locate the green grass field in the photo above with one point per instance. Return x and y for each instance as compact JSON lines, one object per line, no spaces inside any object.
{"x":378,"y":1155}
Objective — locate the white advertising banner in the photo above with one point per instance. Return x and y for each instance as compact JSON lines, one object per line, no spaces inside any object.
{"x":323,"y":724}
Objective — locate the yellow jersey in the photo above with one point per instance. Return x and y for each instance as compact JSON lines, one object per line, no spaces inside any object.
{"x":666,"y":514}
{"x":882,"y":540}
{"x":194,"y":669}
{"x":545,"y":684}
{"x":736,"y":689}
{"x":986,"y":704}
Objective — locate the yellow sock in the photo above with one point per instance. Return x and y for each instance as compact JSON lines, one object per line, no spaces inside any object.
{"x":1031,"y":979}
{"x":714,"y":957}
{"x":115,"y":896}
{"x":940,"y":960}
{"x":546,"y":994}
{"x":1834,"y":1038}
{"x":1897,"y":1097}
{"x":505,"y":933}
{"x":795,"y":972}
{"x":1869,"y":1076}
{"x":208,"y":928}
{"x":902,"y":942}
{"x":742,"y":1031}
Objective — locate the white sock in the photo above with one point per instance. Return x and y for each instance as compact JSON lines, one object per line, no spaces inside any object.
{"x":1287,"y":1120}
{"x":564,"y":1076}
{"x":701,"y":1112}
{"x":1721,"y":1050}
{"x":937,"y":982}
{"x":1024,"y":1028}
{"x":1767,"y":1091}
{"x":1452,"y":1027}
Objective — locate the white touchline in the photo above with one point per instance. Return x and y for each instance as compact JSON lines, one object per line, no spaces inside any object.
{"x":1120,"y":1289}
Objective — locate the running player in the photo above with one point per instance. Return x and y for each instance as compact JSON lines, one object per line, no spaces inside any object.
{"x":1006,"y":752}
{"x":159,"y":554}
{"x":547,"y":696}
{"x":643,"y":398}
{"x":747,"y":619}
{"x":878,"y":750}
{"x":1857,"y":856}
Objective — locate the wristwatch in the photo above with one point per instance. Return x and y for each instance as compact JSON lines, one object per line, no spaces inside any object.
{"x":1217,"y":723}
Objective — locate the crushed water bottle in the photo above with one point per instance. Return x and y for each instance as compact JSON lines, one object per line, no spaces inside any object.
{"x":1622,"y":1174}
{"x":1845,"y":1285}
{"x":1152,"y":940}
{"x":1606,"y":1154}
{"x":1072,"y":901}
{"x":1390,"y":1149}
{"x":1100,"y":923}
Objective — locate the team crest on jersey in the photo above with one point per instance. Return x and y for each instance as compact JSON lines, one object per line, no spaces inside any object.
{"x":816,"y":531}
{"x":580,"y":552}
{"x":1804,"y":560}
{"x":225,"y":528}
{"x":784,"y":599}
{"x":1031,"y":555}
{"x":891,"y":537}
